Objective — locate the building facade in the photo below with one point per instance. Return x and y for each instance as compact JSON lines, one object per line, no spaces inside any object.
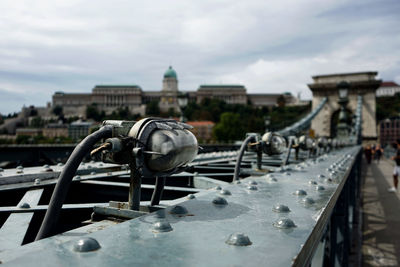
{"x":361,"y":83}
{"x":110,"y":97}
{"x":389,"y":131}
{"x":388,"y":89}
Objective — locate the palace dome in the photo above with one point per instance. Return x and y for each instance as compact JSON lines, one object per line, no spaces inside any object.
{"x":170,"y":73}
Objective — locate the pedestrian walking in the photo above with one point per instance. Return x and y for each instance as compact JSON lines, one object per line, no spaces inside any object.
{"x":368,"y":153}
{"x":396,"y":169}
{"x":378,"y":153}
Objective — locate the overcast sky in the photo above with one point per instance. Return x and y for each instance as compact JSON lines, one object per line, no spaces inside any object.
{"x":268,"y":46}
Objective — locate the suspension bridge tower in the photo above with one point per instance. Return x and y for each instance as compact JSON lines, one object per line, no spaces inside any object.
{"x":360,"y":83}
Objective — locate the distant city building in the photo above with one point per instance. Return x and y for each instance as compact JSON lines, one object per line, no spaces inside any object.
{"x":388,"y":89}
{"x":54,"y":130}
{"x":202,"y":130}
{"x":79,"y":129}
{"x":389,"y":131}
{"x":110,"y":97}
{"x":28,"y":131}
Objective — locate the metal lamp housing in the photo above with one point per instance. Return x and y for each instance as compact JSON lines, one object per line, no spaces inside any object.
{"x":305,"y":142}
{"x":165,"y":144}
{"x":274,"y":143}
{"x":322,"y":142}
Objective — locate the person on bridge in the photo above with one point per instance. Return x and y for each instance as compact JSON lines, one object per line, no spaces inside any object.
{"x":378,"y":153}
{"x":368,"y":153}
{"x":396,"y":170}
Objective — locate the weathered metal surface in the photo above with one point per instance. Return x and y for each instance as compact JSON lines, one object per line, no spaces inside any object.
{"x":200,"y":235}
{"x":13,"y":231}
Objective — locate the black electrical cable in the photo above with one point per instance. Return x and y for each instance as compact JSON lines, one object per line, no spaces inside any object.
{"x":61,"y":189}
{"x":158,"y":190}
{"x":240,"y":156}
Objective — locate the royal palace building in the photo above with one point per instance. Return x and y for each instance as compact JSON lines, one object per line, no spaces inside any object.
{"x":111,"y":97}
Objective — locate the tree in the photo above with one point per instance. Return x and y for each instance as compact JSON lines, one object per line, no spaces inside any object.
{"x":92,"y":112}
{"x":229,"y":128}
{"x":37,"y":122}
{"x":281,"y":101}
{"x":57,"y":110}
{"x":152,"y":108}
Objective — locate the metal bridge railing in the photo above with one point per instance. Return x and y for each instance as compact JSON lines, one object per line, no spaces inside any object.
{"x":304,"y":123}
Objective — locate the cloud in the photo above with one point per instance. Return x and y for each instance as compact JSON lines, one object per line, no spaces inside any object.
{"x":267,"y":46}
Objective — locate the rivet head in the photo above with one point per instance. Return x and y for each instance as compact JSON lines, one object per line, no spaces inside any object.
{"x":89,"y":167}
{"x":225,"y":192}
{"x":20,"y":167}
{"x":288,"y":173}
{"x":252,"y":183}
{"x":308,"y":201}
{"x":25,"y":206}
{"x":312,"y":182}
{"x":47,"y":169}
{"x":60,"y":164}
{"x":280,"y":208}
{"x":272,"y":180}
{"x":252,"y":187}
{"x":92,"y":173}
{"x":300,"y":192}
{"x":319,"y":188}
{"x":238,"y":239}
{"x":219,"y":201}
{"x":37,"y":181}
{"x":321,"y":176}
{"x":329,"y":180}
{"x":77,"y":177}
{"x":284,"y":223}
{"x":179,"y":210}
{"x":218,"y":187}
{"x":191,"y":196}
{"x":86,"y":244}
{"x":162,"y":227}
{"x":1,"y":170}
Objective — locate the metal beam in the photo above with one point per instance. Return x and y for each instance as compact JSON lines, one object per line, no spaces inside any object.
{"x":13,"y":231}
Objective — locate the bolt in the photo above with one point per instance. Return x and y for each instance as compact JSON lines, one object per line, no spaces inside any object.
{"x":238,"y":182}
{"x":60,"y":164}
{"x":284,"y":223}
{"x":272,"y":180}
{"x":218,"y":187}
{"x":179,"y":210}
{"x":312,"y":182}
{"x":238,"y":239}
{"x":162,"y":227}
{"x":36,"y":182}
{"x":321,"y":176}
{"x":191,"y":196}
{"x":25,"y":206}
{"x":308,"y":201}
{"x":86,"y":244}
{"x":252,"y":187}
{"x":225,"y":192}
{"x":77,"y":178}
{"x":20,"y":167}
{"x":252,"y":183}
{"x":328,"y":180}
{"x":280,"y":208}
{"x":92,"y":173}
{"x":300,"y":192}
{"x":319,"y":188}
{"x":219,"y":201}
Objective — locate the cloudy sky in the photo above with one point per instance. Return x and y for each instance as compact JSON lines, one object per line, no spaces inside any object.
{"x":268,"y":46}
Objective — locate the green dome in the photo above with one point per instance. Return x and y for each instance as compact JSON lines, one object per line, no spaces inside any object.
{"x":170,"y":73}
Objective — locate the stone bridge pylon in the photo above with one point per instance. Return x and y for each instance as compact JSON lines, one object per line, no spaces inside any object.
{"x":360,"y":83}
